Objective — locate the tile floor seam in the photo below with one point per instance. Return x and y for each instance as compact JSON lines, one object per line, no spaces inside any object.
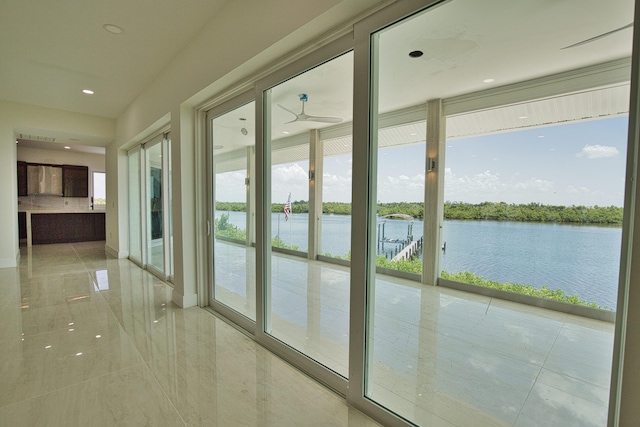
{"x":539,"y":372}
{"x":68,"y":386}
{"x":135,"y":345}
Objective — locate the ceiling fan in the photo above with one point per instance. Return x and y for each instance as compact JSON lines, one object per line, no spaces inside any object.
{"x":600,"y":36}
{"x":303,"y":117}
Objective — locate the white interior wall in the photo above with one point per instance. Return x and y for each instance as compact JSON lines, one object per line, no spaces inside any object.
{"x":9,"y":249}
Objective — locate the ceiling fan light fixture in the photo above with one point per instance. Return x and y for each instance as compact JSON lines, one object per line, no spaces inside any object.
{"x":113,"y":29}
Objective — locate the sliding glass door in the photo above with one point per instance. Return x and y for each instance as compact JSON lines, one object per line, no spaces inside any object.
{"x":149,"y":201}
{"x":512,"y":215}
{"x":154,"y":205}
{"x":135,"y":209}
{"x":232,"y":148}
{"x":307,"y":300}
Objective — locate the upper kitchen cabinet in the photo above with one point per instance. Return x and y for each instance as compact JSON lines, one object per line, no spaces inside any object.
{"x":22,"y":179}
{"x":44,"y":180}
{"x":75,"y":180}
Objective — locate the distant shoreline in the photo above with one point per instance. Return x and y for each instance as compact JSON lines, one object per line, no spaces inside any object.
{"x":485,"y":211}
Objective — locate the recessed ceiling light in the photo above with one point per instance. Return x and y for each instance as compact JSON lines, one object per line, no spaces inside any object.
{"x":66,"y":147}
{"x":416,"y":54}
{"x":113,"y":29}
{"x":87,"y":91}
{"x":522,"y":117}
{"x":218,"y":147}
{"x":285,"y":132}
{"x":488,"y":80}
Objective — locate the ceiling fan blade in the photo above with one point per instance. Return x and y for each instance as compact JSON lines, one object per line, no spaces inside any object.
{"x":323,"y":119}
{"x":286,"y":109}
{"x":598,"y":37}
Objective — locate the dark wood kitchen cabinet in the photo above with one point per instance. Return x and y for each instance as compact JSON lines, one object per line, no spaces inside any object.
{"x":22,"y":225}
{"x":67,"y":227}
{"x":75,"y":181}
{"x":22,"y":178}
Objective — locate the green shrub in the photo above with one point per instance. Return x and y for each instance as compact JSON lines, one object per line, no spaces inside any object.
{"x":544,"y":292}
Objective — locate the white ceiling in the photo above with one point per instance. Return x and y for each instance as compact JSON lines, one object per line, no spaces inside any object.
{"x":52,"y":50}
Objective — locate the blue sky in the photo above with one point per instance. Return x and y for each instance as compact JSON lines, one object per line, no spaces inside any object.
{"x":573,"y":164}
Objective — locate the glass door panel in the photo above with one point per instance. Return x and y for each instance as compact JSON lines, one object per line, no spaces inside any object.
{"x":524,"y":159}
{"x":234,"y":253}
{"x":307,"y":304}
{"x":154,"y":194}
{"x":135,"y":211}
{"x":170,"y":206}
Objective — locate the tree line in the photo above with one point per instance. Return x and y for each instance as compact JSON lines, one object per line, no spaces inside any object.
{"x":490,"y":211}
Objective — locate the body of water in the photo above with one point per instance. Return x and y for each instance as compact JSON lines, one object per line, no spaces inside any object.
{"x":581,"y":260}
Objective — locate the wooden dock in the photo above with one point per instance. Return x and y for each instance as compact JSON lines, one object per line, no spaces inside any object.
{"x":408,"y":252}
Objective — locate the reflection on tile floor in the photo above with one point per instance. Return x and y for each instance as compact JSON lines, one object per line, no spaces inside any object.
{"x":92,"y":341}
{"x":89,"y":340}
{"x":439,"y":356}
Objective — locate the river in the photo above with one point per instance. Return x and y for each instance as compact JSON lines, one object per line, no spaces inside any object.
{"x":581,"y":260}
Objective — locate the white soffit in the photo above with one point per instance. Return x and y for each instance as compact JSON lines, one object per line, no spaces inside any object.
{"x":588,"y":105}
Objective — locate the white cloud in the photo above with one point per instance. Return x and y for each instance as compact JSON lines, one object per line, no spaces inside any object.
{"x":598,"y":151}
{"x":401,"y":188}
{"x":230,"y":187}
{"x":535,"y":184}
{"x":489,"y":186}
{"x":291,"y":178}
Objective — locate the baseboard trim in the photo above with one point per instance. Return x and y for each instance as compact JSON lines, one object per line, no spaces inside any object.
{"x":114,"y":252}
{"x":185,"y":301}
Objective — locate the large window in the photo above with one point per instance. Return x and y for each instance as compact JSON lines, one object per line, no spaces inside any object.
{"x":431,"y":223}
{"x":307,"y":301}
{"x":150,"y":230}
{"x":233,"y":154}
{"x":135,"y":209}
{"x":99,"y":193}
{"x":513,"y":183}
{"x":538,"y":210}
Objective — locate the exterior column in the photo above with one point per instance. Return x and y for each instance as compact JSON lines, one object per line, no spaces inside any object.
{"x":433,"y":192}
{"x":315,"y":193}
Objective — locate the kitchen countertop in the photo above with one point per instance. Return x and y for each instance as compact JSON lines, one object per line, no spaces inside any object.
{"x":59,"y":211}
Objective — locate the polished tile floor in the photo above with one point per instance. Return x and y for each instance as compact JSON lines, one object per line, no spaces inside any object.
{"x":92,"y":341}
{"x":436,"y":356}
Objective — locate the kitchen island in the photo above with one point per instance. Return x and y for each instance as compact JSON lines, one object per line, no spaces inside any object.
{"x":64,"y":226}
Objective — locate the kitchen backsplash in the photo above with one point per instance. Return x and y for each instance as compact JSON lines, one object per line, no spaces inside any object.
{"x":26,"y":203}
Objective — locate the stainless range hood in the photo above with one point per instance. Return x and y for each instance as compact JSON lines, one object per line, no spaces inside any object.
{"x":44,"y":180}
